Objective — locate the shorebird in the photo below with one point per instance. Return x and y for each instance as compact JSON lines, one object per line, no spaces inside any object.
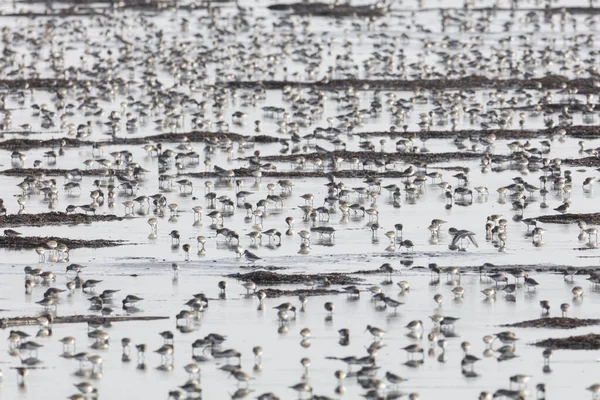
{"x":412,"y":349}
{"x":68,"y":342}
{"x":545,"y":304}
{"x":538,"y":234}
{"x":249,"y":286}
{"x":564,"y":308}
{"x":251,"y":256}
{"x":174,"y":237}
{"x":241,"y":376}
{"x":458,"y":291}
{"x":166,"y":353}
{"x":376,"y":332}
{"x":595,"y":389}
{"x":257,"y":351}
{"x":130,"y":299}
{"x":461,"y":239}
{"x":530,"y":282}
{"x":394,"y":379}
{"x":408,"y":245}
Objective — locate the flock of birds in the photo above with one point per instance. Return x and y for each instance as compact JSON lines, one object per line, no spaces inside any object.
{"x":197,"y":77}
{"x":363,"y":368}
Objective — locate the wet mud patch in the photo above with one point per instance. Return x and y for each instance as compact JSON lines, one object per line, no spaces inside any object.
{"x":272,"y":278}
{"x":54,"y":218}
{"x":554,"y":323}
{"x":584,"y":342}
{"x":32,"y":242}
{"x":272,"y":293}
{"x":331,"y":10}
{"x":588,"y":218}
{"x":74,"y":319}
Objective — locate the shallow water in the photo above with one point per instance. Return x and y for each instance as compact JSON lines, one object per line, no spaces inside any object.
{"x":143,"y":265}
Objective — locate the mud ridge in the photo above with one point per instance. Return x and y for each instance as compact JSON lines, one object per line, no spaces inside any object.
{"x":32,"y":242}
{"x":247,"y":173}
{"x":583,"y":85}
{"x":272,"y":278}
{"x":584,"y":342}
{"x":369,"y":272}
{"x":330,"y":10}
{"x":589,"y":218}
{"x":366,"y":155}
{"x":73,"y":319}
{"x":193,"y":136}
{"x":576,"y":131}
{"x":555,"y":323}
{"x":272,"y":293}
{"x":49,"y":172}
{"x":40,"y":83}
{"x":592,"y":162}
{"x":54,"y":218}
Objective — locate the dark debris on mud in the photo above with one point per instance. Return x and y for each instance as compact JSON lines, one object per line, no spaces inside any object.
{"x":74,"y":319}
{"x":554,"y":323}
{"x":330,"y":9}
{"x":588,"y":218}
{"x":32,"y":242}
{"x":583,"y":342}
{"x":54,"y":218}
{"x":272,"y":278}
